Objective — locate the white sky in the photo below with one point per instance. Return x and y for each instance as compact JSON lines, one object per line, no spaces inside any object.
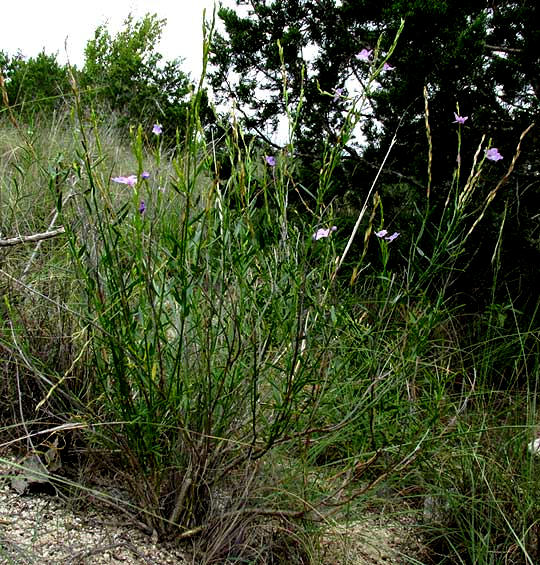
{"x":34,"y":25}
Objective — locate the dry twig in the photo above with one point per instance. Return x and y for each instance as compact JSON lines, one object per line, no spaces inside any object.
{"x":31,"y":238}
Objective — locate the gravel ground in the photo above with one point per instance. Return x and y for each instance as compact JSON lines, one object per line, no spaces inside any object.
{"x":45,"y":529}
{"x":42,"y":529}
{"x":374,"y":540}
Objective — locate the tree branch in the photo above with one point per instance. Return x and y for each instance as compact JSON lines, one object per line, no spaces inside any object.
{"x":503,"y":49}
{"x":31,"y":238}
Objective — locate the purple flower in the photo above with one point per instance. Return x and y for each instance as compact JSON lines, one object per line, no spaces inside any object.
{"x":364,"y":55}
{"x":270,"y":160}
{"x":142,"y":207}
{"x":384,"y":233}
{"x":337,"y":93}
{"x":157,"y":129}
{"x":387,"y":67}
{"x":460,"y":119}
{"x":145,"y":175}
{"x":322,"y":232}
{"x":493,"y":154}
{"x":130,"y":181}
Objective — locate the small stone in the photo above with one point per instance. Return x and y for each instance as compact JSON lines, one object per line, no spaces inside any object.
{"x":436,"y":510}
{"x":534,"y":446}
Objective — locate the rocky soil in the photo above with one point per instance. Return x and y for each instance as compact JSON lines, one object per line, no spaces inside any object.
{"x":46,"y":529}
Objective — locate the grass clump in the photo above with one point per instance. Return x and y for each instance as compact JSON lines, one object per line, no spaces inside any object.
{"x":248,"y":373}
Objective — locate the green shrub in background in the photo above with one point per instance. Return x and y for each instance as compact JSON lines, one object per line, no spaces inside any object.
{"x":34,"y":85}
{"x":125,"y":74}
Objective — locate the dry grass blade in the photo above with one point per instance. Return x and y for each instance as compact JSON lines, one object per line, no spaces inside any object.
{"x":503,"y":181}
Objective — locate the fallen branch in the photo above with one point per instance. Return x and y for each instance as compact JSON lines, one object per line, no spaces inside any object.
{"x":31,"y":238}
{"x":293,"y":514}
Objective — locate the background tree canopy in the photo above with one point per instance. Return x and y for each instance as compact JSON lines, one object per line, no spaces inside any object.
{"x":481,"y":57}
{"x":36,"y":84}
{"x":123,"y":75}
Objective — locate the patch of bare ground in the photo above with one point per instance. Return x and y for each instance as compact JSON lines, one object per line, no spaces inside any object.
{"x":46,"y":529}
{"x":372,"y":540}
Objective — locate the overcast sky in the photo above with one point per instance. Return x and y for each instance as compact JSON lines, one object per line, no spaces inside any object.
{"x":34,"y":25}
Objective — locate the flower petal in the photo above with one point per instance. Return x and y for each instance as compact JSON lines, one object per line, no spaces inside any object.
{"x":493,"y":154}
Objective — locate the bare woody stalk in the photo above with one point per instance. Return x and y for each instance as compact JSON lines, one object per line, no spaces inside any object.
{"x":40,"y":241}
{"x":5,"y":100}
{"x":36,"y":237}
{"x":39,"y":237}
{"x":364,"y":208}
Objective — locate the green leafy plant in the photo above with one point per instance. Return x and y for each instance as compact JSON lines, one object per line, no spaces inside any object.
{"x":125,"y":74}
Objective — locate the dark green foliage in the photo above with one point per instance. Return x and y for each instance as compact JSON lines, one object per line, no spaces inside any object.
{"x":451,"y":48}
{"x":35,"y":84}
{"x":481,"y":57}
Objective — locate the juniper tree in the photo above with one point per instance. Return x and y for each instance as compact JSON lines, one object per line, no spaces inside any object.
{"x":478,"y":59}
